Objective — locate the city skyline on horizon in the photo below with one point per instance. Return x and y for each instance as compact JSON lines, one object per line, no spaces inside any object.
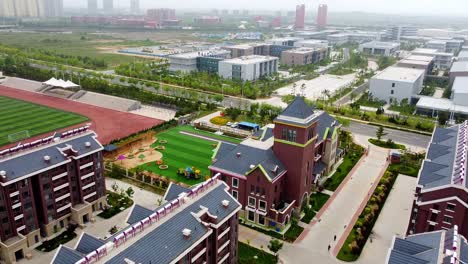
{"x":411,"y":7}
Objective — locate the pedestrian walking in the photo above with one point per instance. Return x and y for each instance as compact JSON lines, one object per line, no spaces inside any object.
{"x":329,"y":247}
{"x":334,"y":238}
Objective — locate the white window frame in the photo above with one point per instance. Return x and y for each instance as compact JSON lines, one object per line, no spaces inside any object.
{"x":237,"y":180}
{"x":259,"y":203}
{"x":445,"y":222}
{"x":235,"y":196}
{"x":254,"y":203}
{"x":449,"y":210}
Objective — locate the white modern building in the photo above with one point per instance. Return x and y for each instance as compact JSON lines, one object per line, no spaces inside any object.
{"x":379,"y":48}
{"x":459,"y":69}
{"x":248,"y":68}
{"x":449,"y":45}
{"x":311,"y":43}
{"x":187,"y":62}
{"x":425,"y":63}
{"x":284,"y":41}
{"x":436,"y":44}
{"x":442,"y":60}
{"x":338,"y":39}
{"x":457,"y":104}
{"x":463,"y":55}
{"x":396,"y":83}
{"x":396,"y":32}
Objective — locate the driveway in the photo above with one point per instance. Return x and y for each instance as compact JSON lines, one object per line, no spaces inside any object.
{"x":393,"y":220}
{"x":338,"y":215}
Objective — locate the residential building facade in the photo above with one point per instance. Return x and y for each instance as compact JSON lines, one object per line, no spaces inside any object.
{"x":441,"y":191}
{"x":194,"y":225}
{"x":395,"y":84}
{"x":272,"y":177}
{"x":248,"y":68}
{"x":46,"y":185}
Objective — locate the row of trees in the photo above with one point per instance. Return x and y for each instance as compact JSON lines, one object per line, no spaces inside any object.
{"x":202,"y":80}
{"x":49,"y":56}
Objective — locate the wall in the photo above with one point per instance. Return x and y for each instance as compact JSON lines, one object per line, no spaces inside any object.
{"x":381,"y":89}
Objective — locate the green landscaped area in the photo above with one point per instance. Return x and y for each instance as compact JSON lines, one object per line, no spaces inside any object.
{"x":316,"y":202}
{"x":251,"y":255}
{"x":117,"y":203}
{"x":182,"y":151}
{"x":20,"y":119}
{"x":386,"y":144}
{"x":192,"y":130}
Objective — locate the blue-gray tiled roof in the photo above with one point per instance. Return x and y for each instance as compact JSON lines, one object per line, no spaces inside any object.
{"x":174,"y":191}
{"x":250,"y":156}
{"x":166,"y":242}
{"x":417,"y":249}
{"x":224,"y":149}
{"x":31,"y":162}
{"x":437,"y":169}
{"x":88,"y":243}
{"x":138,"y":213}
{"x":66,"y":255}
{"x":298,"y":109}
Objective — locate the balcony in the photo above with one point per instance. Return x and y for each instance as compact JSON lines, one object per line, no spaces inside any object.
{"x":86,"y":176}
{"x":86,"y":165}
{"x":58,"y":188}
{"x":61,"y":175}
{"x":89,"y":185}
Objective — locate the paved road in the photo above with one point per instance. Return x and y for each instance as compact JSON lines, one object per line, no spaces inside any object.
{"x":314,"y":247}
{"x":407,"y":138}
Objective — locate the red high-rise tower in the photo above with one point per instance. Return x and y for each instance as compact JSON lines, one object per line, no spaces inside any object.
{"x":322,"y":16}
{"x":300,"y":17}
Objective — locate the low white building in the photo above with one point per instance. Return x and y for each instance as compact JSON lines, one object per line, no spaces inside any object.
{"x":248,"y":68}
{"x":425,"y":63}
{"x":458,"y":69}
{"x":442,"y":60}
{"x":460,"y":91}
{"x":187,"y":62}
{"x":394,"y":84}
{"x":311,"y":43}
{"x":463,"y":55}
{"x":284,"y":41}
{"x":338,"y":39}
{"x":439,"y":45}
{"x":379,"y":48}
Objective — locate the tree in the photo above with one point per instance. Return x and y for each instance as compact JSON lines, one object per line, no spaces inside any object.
{"x":275,"y":246}
{"x":380,"y":133}
{"x":130,"y":192}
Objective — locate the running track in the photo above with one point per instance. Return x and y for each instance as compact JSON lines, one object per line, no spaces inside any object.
{"x":109,"y":124}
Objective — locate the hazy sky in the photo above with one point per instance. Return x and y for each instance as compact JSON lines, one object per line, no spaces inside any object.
{"x":443,"y":7}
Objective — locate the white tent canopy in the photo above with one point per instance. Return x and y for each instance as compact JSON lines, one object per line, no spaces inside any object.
{"x":61,"y":83}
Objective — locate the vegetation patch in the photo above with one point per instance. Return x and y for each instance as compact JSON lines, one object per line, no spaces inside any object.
{"x":55,"y":242}
{"x":353,"y":153}
{"x":219,"y":120}
{"x":386,"y":144}
{"x":117,"y":202}
{"x":252,"y":255}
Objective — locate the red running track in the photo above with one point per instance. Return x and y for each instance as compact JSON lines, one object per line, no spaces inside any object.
{"x":108,"y":124}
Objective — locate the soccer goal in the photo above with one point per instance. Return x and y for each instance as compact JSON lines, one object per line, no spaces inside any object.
{"x":15,"y":137}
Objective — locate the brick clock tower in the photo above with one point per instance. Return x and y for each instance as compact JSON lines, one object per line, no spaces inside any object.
{"x":295,"y":136}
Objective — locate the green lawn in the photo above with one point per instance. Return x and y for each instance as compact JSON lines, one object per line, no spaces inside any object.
{"x":349,"y":160}
{"x":182,"y":151}
{"x":251,"y":255}
{"x":317,"y":200}
{"x":192,"y":130}
{"x":18,"y":116}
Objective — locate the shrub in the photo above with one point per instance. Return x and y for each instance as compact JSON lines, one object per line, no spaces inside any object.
{"x":219,"y":120}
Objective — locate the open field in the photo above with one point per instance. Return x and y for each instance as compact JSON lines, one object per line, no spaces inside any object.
{"x":71,"y":44}
{"x":182,"y":151}
{"x":108,"y":124}
{"x":18,"y":116}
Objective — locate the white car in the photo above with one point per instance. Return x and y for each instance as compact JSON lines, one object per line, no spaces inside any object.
{"x":229,"y":124}
{"x":234,"y":125}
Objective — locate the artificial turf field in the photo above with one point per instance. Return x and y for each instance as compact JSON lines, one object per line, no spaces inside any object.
{"x":182,"y":151}
{"x":17,"y":116}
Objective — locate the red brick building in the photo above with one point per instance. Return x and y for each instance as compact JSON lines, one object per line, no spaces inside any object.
{"x":273,"y":176}
{"x":441,"y":196}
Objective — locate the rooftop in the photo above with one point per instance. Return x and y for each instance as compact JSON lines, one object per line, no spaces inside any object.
{"x":302,"y":50}
{"x":30,"y":160}
{"x":160,"y":238}
{"x":381,"y":44}
{"x":460,"y":85}
{"x":463,"y":54}
{"x":420,"y":58}
{"x":442,"y":104}
{"x":399,"y":74}
{"x":203,"y":53}
{"x":459,"y":66}
{"x":245,"y":46}
{"x":250,"y":59}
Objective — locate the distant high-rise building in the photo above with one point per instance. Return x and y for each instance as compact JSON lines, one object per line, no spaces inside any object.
{"x":134,"y":6}
{"x":300,"y":17}
{"x":23,"y":8}
{"x":162,"y":16}
{"x":108,"y":5}
{"x":92,"y":6}
{"x":53,"y":8}
{"x":322,"y":16}
{"x":396,"y":32}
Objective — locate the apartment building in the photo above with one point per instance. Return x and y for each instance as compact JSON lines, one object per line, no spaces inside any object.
{"x":379,"y":48}
{"x":303,"y":56}
{"x":395,"y":84}
{"x":194,"y":225}
{"x":397,"y":32}
{"x":299,"y":22}
{"x":248,"y":68}
{"x":441,"y":191}
{"x":273,"y":176}
{"x":46,"y":185}
{"x":444,"y":246}
{"x":322,"y":14}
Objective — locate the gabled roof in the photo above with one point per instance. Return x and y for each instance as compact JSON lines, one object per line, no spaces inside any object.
{"x":66,"y":255}
{"x":138,"y":213}
{"x":298,"y":109}
{"x":417,"y":249}
{"x":88,"y":243}
{"x":242,"y":159}
{"x":326,"y":121}
{"x":174,"y":191}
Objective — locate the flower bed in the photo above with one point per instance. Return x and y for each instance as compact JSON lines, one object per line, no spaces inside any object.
{"x":162,"y":141}
{"x":160,"y":147}
{"x":163,"y":167}
{"x":386,"y":144}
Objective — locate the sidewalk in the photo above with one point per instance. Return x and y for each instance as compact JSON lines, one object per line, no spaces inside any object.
{"x":337,"y":214}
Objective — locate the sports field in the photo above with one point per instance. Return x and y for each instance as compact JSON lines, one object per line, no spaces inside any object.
{"x":20,"y":119}
{"x":182,"y":151}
